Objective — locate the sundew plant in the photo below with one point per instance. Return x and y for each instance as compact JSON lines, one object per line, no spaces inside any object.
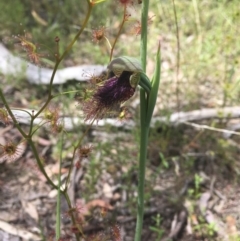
{"x":123,"y":77}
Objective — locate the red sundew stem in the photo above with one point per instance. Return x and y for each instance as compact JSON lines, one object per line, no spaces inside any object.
{"x":72,"y":215}
{"x":28,"y":136}
{"x":119,"y":31}
{"x":59,"y":60}
{"x":12,"y":115}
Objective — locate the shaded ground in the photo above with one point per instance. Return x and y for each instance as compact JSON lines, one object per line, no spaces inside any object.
{"x":192,"y":189}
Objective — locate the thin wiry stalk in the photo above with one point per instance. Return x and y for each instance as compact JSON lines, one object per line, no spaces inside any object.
{"x":59,"y":60}
{"x":198,"y":24}
{"x":74,"y":153}
{"x":144,"y":126}
{"x":28,"y":136}
{"x":119,"y":32}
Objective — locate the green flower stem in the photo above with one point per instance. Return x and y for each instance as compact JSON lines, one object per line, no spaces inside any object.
{"x":144,"y":126}
{"x":141,"y":180}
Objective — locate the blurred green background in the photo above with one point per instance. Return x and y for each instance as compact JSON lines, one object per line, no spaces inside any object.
{"x":208,"y":32}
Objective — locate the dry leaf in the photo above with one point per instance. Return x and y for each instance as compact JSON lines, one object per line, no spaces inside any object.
{"x":30,"y":209}
{"x":25,"y":235}
{"x":98,"y":203}
{"x":107,"y":190}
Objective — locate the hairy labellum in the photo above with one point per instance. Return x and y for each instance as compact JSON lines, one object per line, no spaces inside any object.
{"x":115,"y":90}
{"x":112,"y":92}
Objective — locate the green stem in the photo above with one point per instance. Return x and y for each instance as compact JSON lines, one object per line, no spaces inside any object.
{"x":75,"y":224}
{"x":141,"y":181}
{"x":15,"y":122}
{"x":39,"y":162}
{"x":144,"y":125}
{"x":144,"y":23}
{"x":28,"y":138}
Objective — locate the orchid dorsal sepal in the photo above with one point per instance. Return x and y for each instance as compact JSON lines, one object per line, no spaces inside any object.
{"x":125,"y":63}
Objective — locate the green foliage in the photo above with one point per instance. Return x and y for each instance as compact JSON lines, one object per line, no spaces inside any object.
{"x":195,"y":192}
{"x":206,"y":229}
{"x":156,"y":228}
{"x":44,"y":20}
{"x":10,"y":20}
{"x":164,"y":161}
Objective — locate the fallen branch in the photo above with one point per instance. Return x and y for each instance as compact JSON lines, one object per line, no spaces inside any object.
{"x":15,"y":66}
{"x":174,"y":119}
{"x":199,"y":115}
